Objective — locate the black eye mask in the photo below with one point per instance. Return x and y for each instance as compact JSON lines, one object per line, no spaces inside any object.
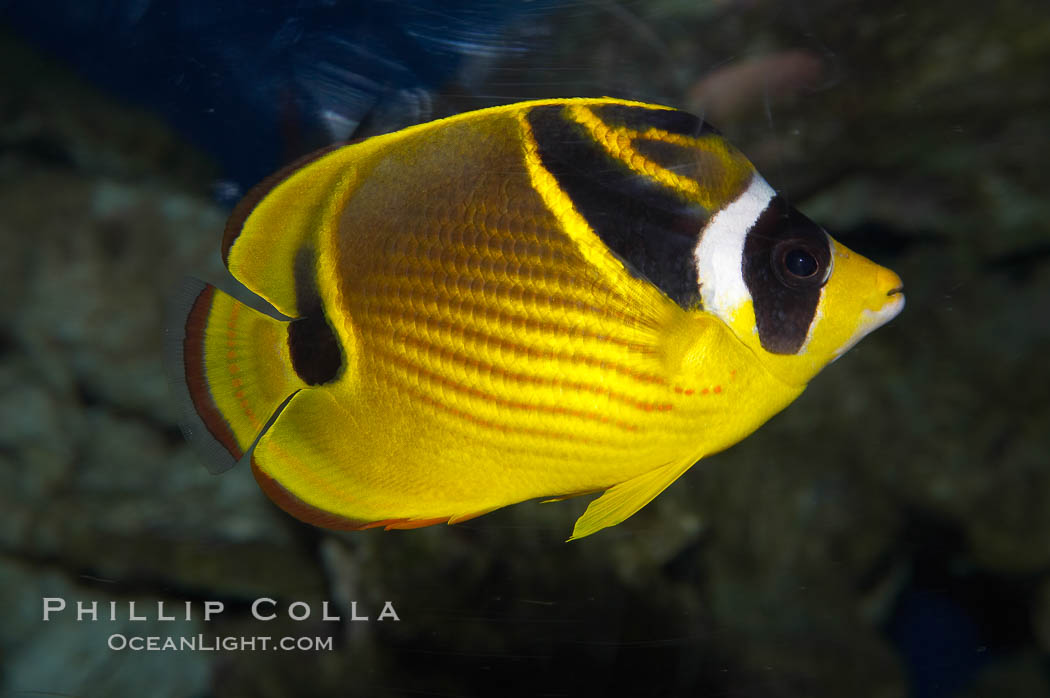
{"x":787,"y":259}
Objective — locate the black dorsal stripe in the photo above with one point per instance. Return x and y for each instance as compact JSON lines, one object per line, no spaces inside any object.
{"x":647,"y":225}
{"x":783,"y":313}
{"x":315,"y":352}
{"x":644,"y":118}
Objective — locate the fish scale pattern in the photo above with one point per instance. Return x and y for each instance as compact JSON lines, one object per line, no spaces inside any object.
{"x":510,"y":349}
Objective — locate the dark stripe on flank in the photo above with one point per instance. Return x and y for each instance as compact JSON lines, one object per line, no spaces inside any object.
{"x":480,"y":338}
{"x":197,"y":381}
{"x":459,"y":287}
{"x":402,"y":385}
{"x":401,"y":308}
{"x":643,"y":119}
{"x":473,"y":363}
{"x":445,"y":382}
{"x":316,"y":355}
{"x":648,"y":226}
{"x":784,"y":306}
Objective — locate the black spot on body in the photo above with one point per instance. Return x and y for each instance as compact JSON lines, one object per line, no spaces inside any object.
{"x":785,"y":303}
{"x":648,"y":225}
{"x":316,"y":355}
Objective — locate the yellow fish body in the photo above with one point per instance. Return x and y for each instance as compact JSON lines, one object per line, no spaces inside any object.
{"x":538,"y":300}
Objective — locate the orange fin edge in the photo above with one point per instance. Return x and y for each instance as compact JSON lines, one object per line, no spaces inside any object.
{"x":191,"y":365}
{"x":307,"y":513}
{"x":392,"y":524}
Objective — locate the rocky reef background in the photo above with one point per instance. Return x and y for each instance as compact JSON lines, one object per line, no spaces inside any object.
{"x":888,"y":535}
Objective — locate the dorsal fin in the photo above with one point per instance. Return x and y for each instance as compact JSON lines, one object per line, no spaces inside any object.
{"x":281,"y":216}
{"x":258,"y":192}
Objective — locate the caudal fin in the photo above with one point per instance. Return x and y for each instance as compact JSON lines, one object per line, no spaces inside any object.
{"x":230,"y":370}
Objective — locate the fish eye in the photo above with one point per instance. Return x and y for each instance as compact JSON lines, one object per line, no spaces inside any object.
{"x":797,"y":265}
{"x":800,"y":263}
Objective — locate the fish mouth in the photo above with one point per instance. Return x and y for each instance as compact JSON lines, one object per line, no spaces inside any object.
{"x":895,"y":291}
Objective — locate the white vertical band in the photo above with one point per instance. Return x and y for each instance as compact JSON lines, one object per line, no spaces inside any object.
{"x":719,"y":254}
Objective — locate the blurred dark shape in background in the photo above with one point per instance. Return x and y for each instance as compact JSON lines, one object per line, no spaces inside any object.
{"x":257,"y":84}
{"x":730,"y":91}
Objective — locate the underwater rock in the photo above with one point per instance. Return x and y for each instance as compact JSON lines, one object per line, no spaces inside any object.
{"x":98,"y":476}
{"x":68,"y":656}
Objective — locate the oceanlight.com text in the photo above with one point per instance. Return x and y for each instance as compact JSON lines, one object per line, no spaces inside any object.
{"x":231,"y":643}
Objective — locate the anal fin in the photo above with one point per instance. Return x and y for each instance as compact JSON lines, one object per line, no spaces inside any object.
{"x":623,"y":500}
{"x":325,"y":478}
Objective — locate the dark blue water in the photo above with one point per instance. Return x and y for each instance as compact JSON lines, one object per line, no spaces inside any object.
{"x":257,"y":84}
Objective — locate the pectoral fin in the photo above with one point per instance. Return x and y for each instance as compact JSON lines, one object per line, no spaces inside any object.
{"x":623,"y":500}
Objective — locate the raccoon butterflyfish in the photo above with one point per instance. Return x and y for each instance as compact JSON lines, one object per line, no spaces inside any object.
{"x":539,"y":300}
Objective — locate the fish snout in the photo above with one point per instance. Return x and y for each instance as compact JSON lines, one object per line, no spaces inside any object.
{"x":888,"y":297}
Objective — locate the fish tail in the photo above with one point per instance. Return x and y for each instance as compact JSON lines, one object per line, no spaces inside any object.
{"x":230,"y":367}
